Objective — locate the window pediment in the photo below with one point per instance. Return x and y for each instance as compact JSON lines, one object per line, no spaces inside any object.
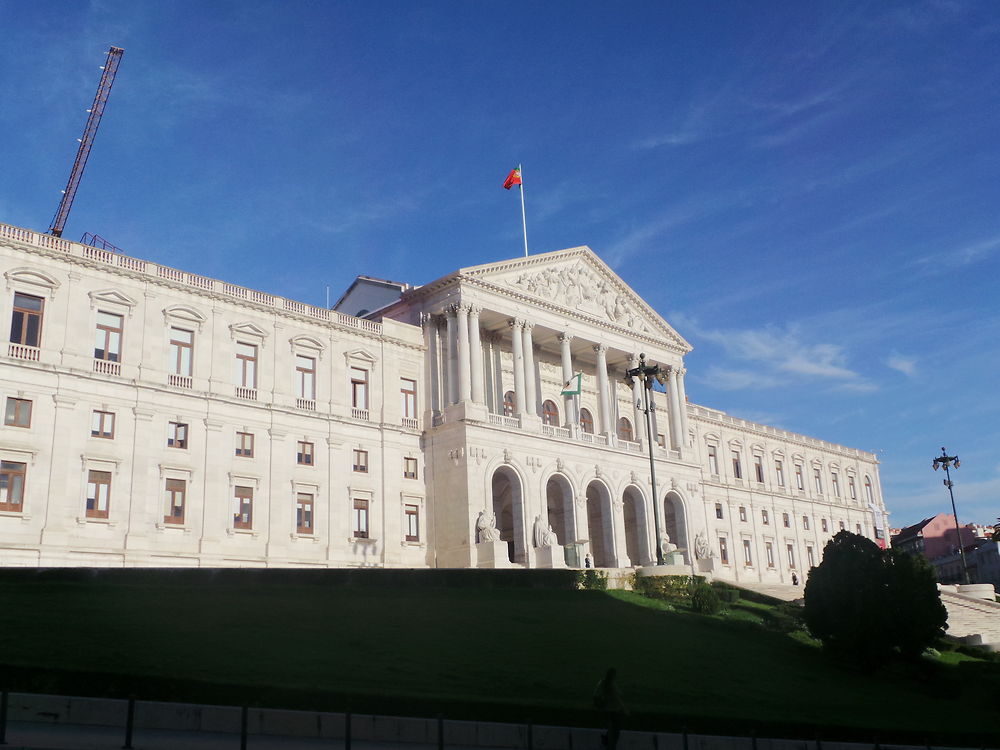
{"x":111,"y":297}
{"x":360,"y":355}
{"x":183,"y":314}
{"x":307,"y":342}
{"x":248,"y":330}
{"x":33,"y":278}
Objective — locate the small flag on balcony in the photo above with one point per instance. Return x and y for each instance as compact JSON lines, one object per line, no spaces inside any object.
{"x":573,"y":386}
{"x":514,"y":178}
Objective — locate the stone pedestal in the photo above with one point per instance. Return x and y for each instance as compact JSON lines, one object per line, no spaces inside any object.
{"x":492,"y":555}
{"x":977,"y":591}
{"x":550,"y":557}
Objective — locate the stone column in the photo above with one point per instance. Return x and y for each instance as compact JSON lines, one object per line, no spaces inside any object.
{"x":451,"y":355}
{"x":496,"y":367}
{"x":602,"y":389}
{"x":476,"y":354}
{"x":675,"y":410}
{"x":639,"y":419}
{"x":530,"y":395}
{"x":569,"y":402}
{"x":516,"y":331}
{"x":655,"y":419}
{"x":682,"y":397}
{"x":434,"y":368}
{"x":464,"y":364}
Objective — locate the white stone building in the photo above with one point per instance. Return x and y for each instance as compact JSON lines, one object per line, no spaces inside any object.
{"x":154,"y":417}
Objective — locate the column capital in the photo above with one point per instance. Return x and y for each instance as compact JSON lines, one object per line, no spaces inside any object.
{"x":516,"y":323}
{"x":682,"y":371}
{"x":459,"y":308}
{"x":601,"y":348}
{"x":566,"y":337}
{"x":527,"y":325}
{"x":474,"y":310}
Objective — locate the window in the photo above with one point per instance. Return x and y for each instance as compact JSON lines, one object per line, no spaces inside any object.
{"x":305,"y":377}
{"x":869,"y":495}
{"x":409,"y":468}
{"x":805,"y":522}
{"x":835,"y":483}
{"x":181,"y":350}
{"x":852,"y":488}
{"x":244,"y":444}
{"x":810,"y":556}
{"x":824,"y":525}
{"x":765,"y":518}
{"x":176,"y":489}
{"x":412,"y":513}
{"x":108,"y":337}
{"x":769,"y":553}
{"x":408,"y":395}
{"x":779,"y":472}
{"x":800,"y":482}
{"x":246,"y":365}
{"x":723,"y":551}
{"x":509,"y":405}
{"x":661,"y":440}
{"x":550,"y":414}
{"x":790,"y":549}
{"x":359,"y":388}
{"x":12,"y":485}
{"x":102,"y":424}
{"x":842,"y":527}
{"x":625,"y":429}
{"x":758,"y":467}
{"x":587,"y":421}
{"x":361,"y":460}
{"x":737,"y":466}
{"x":18,"y":413}
{"x":857,"y":529}
{"x":177,"y":435}
{"x":26,"y":321}
{"x":743,"y":513}
{"x":747,"y":555}
{"x":718,"y":510}
{"x":98,"y":493}
{"x":360,"y":518}
{"x":713,"y":460}
{"x":818,"y":480}
{"x":786,"y":521}
{"x":304,"y":453}
{"x":243,"y":507}
{"x":303,"y":513}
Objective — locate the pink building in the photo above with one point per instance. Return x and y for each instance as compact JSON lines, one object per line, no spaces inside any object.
{"x":933,"y":537}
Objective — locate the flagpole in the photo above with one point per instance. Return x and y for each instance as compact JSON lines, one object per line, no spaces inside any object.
{"x":524,"y":221}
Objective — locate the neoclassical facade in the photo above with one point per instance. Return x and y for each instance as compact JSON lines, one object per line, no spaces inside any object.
{"x":154,"y":417}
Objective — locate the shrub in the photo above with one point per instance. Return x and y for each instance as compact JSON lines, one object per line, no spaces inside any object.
{"x":785,"y":618}
{"x":729,"y":596}
{"x":593,"y":580}
{"x":667,"y":588}
{"x":704,"y":600}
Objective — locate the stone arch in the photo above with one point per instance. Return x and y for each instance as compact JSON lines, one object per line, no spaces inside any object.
{"x":675,"y":520}
{"x":636,"y":526}
{"x":507,"y":502}
{"x":559,"y":507}
{"x":600,"y":524}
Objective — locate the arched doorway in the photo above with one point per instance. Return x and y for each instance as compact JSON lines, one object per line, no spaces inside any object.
{"x":673,"y":520}
{"x":600,"y":525}
{"x":636,"y":527}
{"x":559,"y":507}
{"x":509,"y":509}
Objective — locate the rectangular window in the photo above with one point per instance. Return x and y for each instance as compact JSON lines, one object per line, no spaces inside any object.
{"x":842,"y":527}
{"x":800,"y":482}
{"x":243,"y":507}
{"x":177,"y":435}
{"x":824,"y":525}
{"x":718,"y":510}
{"x":723,"y":551}
{"x":786,"y":520}
{"x":779,"y":472}
{"x":26,"y":321}
{"x":304,"y":453}
{"x":102,"y":424}
{"x":790,"y":548}
{"x":181,"y":351}
{"x":661,"y":440}
{"x":12,"y":485}
{"x":409,"y":468}
{"x":857,"y":529}
{"x":747,"y":554}
{"x":246,"y":365}
{"x":769,"y":552}
{"x":852,"y":488}
{"x":869,"y":495}
{"x":408,"y":394}
{"x":743,"y":513}
{"x":98,"y":493}
{"x":737,"y":467}
{"x":108,"y":337}
{"x":359,"y":388}
{"x":758,"y":467}
{"x":361,"y":460}
{"x":765,"y":518}
{"x":818,"y":481}
{"x":18,"y":412}
{"x":835,"y":483}
{"x":176,"y":489}
{"x":303,"y":513}
{"x":412,"y":523}
{"x":305,"y":377}
{"x":244,"y":444}
{"x":811,"y":557}
{"x":713,"y":460}
{"x":360,"y":518}
{"x":805,"y":522}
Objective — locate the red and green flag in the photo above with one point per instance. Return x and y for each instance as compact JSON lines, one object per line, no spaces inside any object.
{"x":514,"y":178}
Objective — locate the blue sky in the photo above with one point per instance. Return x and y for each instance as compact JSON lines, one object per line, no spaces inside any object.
{"x":808,"y":192}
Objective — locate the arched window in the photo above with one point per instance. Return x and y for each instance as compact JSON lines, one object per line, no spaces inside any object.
{"x":586,"y":421}
{"x":508,"y":404}
{"x":550,"y":414}
{"x":625,"y":429}
{"x":868,"y":489}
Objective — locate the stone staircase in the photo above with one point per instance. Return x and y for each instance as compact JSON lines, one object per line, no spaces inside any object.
{"x":977,"y":621}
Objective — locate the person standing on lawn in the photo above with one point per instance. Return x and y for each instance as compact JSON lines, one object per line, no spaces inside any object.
{"x":608,"y":700}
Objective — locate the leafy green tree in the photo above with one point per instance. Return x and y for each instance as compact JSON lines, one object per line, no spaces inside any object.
{"x":917,"y":612}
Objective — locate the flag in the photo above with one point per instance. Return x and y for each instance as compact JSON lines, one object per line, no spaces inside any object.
{"x":573,"y":386}
{"x":514,"y":178}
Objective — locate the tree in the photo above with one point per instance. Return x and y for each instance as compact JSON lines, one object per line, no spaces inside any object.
{"x":866,"y":604}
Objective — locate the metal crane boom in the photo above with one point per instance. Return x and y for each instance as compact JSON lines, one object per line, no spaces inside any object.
{"x":87,"y":142}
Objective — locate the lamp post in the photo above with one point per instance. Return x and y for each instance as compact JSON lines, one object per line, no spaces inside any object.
{"x":947,"y":462}
{"x":646,"y":374}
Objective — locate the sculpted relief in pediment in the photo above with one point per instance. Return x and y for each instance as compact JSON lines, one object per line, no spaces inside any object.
{"x":579,"y":287}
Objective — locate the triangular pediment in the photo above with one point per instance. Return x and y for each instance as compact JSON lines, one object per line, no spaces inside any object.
{"x":112,"y":297}
{"x":247,"y":329}
{"x":579,"y":282}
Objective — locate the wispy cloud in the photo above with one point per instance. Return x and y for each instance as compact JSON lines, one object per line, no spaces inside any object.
{"x":905,"y":365}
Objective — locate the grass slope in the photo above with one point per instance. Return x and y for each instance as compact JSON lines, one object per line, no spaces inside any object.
{"x":504,"y":653}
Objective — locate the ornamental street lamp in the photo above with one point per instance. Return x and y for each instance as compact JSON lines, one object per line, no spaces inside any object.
{"x":646,"y":375}
{"x":947,"y":462}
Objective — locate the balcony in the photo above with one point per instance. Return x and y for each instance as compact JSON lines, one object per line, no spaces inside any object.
{"x":20,"y":351}
{"x":250,"y":394}
{"x":106,"y":367}
{"x":557,"y":432}
{"x":499,"y":420}
{"x":630,"y":446}
{"x":180,"y":381}
{"x":411,"y":422}
{"x":309,"y":404}
{"x":361,"y":414}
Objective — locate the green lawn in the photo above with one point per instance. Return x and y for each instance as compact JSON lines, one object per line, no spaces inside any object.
{"x":493,"y":653}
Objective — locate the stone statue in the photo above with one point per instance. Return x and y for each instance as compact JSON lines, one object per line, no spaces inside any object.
{"x":667,"y":546}
{"x":487,"y":527}
{"x":543,"y":535}
{"x":701,"y":549}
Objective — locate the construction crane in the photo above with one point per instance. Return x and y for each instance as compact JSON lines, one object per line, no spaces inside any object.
{"x":96,"y":111}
